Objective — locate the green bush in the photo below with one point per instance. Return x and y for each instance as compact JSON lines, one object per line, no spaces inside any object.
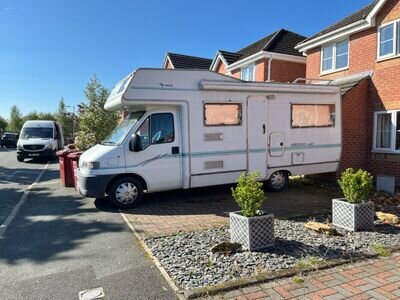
{"x":249,"y":194}
{"x":356,"y":186}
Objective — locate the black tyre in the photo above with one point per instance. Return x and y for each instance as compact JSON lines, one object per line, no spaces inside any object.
{"x":278,"y":181}
{"x":20,"y":158}
{"x":126,"y":192}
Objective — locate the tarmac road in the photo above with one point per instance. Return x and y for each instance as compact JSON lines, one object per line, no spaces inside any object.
{"x":55,"y":243}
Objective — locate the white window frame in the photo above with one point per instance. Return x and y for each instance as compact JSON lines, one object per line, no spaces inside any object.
{"x":396,"y":40}
{"x":247,"y":67}
{"x":334,"y":69}
{"x":392,"y":148}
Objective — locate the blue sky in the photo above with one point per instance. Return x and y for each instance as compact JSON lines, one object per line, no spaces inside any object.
{"x":50,"y":49}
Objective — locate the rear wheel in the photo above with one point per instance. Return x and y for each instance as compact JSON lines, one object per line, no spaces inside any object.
{"x":20,"y":158}
{"x":126,"y":192}
{"x":278,"y":181}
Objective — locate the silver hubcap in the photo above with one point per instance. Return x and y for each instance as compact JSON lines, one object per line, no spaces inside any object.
{"x":126,"y":193}
{"x":278,"y":180}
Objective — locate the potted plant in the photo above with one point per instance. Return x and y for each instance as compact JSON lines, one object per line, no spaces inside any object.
{"x":354,"y":212}
{"x":251,"y":227}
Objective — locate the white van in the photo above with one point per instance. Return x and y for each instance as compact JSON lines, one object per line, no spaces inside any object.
{"x":39,"y":139}
{"x":196,"y":128}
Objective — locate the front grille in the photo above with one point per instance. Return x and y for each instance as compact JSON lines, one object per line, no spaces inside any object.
{"x":33,"y":147}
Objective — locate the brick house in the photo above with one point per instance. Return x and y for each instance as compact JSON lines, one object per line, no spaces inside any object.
{"x":361,"y":53}
{"x":272,"y":58}
{"x":181,"y":61}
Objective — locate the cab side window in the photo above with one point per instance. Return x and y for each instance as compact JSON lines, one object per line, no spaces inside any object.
{"x":156,"y":129}
{"x":162,"y":128}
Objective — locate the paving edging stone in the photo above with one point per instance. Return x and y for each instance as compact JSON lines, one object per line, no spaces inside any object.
{"x":179,"y":293}
{"x":270,"y":276}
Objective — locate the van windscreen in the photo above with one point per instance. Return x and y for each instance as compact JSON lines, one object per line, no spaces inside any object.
{"x":37,"y":133}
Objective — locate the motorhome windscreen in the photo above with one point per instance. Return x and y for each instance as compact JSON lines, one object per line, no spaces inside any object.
{"x":37,"y":133}
{"x":119,"y":133}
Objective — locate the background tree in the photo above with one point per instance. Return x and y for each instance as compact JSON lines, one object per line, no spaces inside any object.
{"x":34,"y":115}
{"x":64,"y":118}
{"x":3,"y":124}
{"x":15,"y":123}
{"x":95,"y":124}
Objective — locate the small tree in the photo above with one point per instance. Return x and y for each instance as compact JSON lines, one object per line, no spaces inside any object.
{"x":95,"y":124}
{"x":3,"y":124}
{"x":15,"y":123}
{"x":63,"y":119}
{"x":356,"y":186}
{"x":249,"y":194}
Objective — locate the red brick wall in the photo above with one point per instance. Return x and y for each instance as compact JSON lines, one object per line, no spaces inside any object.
{"x":221,"y":68}
{"x":383,"y":93}
{"x":236,"y":73}
{"x":285,"y":71}
{"x":260,"y":72}
{"x":169,"y":65}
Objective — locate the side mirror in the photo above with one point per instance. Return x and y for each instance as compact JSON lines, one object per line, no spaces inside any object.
{"x":135,"y":145}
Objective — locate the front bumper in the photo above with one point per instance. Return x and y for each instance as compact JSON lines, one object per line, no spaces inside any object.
{"x":93,"y":186}
{"x":33,"y":154}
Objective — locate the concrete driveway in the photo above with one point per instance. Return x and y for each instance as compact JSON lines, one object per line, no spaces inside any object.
{"x":55,"y":243}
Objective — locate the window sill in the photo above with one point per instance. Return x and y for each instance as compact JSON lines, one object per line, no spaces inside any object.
{"x":333,"y":71}
{"x":378,"y":151}
{"x":387,"y":58}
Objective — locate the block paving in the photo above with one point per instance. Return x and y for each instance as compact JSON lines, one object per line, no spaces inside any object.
{"x":167,"y":213}
{"x":371,"y":279}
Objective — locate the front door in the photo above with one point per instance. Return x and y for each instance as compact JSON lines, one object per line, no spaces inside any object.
{"x":159,"y":160}
{"x":256,"y":135}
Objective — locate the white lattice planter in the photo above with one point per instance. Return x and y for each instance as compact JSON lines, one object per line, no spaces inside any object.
{"x":253,"y":233}
{"x":351,"y":216}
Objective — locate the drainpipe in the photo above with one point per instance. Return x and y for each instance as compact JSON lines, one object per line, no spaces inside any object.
{"x":269,"y":67}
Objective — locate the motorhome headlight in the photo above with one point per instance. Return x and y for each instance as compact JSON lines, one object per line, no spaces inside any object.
{"x":90,"y":165}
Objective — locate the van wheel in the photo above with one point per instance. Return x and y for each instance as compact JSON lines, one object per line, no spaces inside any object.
{"x":20,"y":158}
{"x":278,"y":181}
{"x":126,"y":192}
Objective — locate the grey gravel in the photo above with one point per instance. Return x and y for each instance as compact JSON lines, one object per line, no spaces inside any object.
{"x":188,"y":259}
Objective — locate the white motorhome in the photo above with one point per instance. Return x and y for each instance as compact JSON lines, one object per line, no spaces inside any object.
{"x":196,"y":128}
{"x":39,"y":139}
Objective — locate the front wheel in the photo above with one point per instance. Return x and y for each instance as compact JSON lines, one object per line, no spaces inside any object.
{"x":20,"y":158}
{"x":278,"y":181}
{"x":126,"y":192}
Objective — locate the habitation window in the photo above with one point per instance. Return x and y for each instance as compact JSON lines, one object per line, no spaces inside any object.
{"x":247,"y":73}
{"x":387,"y":131}
{"x":335,"y":56}
{"x":222,"y":114}
{"x":389,"y":40}
{"x":313,"y":115}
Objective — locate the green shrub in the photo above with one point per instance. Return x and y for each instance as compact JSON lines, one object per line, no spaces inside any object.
{"x":249,"y":194}
{"x":356,"y":186}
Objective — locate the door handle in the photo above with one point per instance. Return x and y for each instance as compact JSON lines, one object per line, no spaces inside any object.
{"x":175,"y":150}
{"x":263,"y":128}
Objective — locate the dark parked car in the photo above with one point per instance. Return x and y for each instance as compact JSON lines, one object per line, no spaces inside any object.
{"x":9,"y":139}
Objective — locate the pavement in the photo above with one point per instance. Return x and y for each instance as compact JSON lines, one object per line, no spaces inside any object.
{"x":55,"y":243}
{"x":372,"y":279}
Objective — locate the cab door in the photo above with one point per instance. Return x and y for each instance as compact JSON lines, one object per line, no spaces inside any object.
{"x":159,"y":159}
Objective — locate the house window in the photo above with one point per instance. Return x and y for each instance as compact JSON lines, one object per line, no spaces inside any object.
{"x":387,"y":131}
{"x":247,"y":73}
{"x":389,"y":40}
{"x":222,"y":114}
{"x":313,"y":115}
{"x":335,"y":56}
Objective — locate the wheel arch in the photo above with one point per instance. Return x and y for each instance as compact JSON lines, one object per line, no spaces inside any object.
{"x":132,"y":175}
